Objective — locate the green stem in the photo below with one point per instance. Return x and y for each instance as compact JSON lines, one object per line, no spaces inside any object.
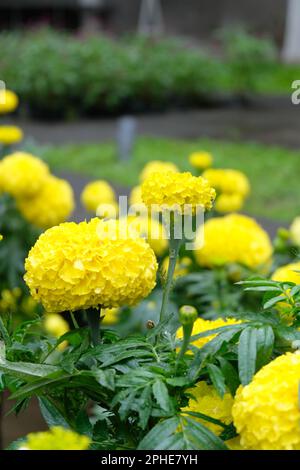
{"x":187,"y":332}
{"x":93,"y":318}
{"x":74,"y":321}
{"x":173,"y":254}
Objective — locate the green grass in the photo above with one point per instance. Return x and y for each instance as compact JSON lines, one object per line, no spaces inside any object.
{"x":273,"y":171}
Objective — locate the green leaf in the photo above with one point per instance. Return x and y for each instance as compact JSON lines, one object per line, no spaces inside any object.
{"x":217,"y":379}
{"x":161,"y":395}
{"x":273,"y":301}
{"x":27,"y":370}
{"x":197,"y":436}
{"x":51,"y":415}
{"x":264,"y":345}
{"x":247,"y":355}
{"x":106,"y":378}
{"x":230,"y":374}
{"x":159,"y":434}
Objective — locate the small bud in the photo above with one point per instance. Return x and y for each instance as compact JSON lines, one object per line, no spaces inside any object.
{"x":283,"y":233}
{"x":187,"y":315}
{"x":150,"y":324}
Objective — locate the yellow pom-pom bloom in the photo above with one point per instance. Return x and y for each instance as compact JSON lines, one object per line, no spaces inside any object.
{"x":228,"y":181}
{"x":96,"y":193}
{"x":57,"y":438}
{"x":266,"y":412}
{"x":22,"y":174}
{"x":201,"y":160}
{"x":206,"y":400}
{"x":52,"y":205}
{"x":182,"y":266}
{"x":234,"y":239}
{"x":10,"y":135}
{"x":8,"y":101}
{"x":78,"y":266}
{"x":295,"y":231}
{"x":157,"y":166}
{"x":201,"y":325}
{"x":153,"y":231}
{"x":288,"y":273}
{"x":229,"y":203}
{"x":177,"y":189}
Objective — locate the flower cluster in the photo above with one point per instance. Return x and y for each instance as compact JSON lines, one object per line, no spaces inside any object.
{"x":177,"y":189}
{"x":201,"y":325}
{"x":201,"y":160}
{"x":156,"y":166}
{"x":266,"y":412}
{"x":57,"y":438}
{"x":10,"y":135}
{"x":234,"y":239}
{"x":78,"y":266}
{"x":205,"y":399}
{"x":232,"y":188}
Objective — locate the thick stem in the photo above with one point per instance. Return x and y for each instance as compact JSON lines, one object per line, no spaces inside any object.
{"x":187,"y":332}
{"x":93,"y":318}
{"x":173,"y":254}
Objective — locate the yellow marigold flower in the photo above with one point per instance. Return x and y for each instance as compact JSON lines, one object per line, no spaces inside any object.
{"x":10,"y":135}
{"x":78,"y":266}
{"x":57,"y":438}
{"x":201,"y":160}
{"x":201,"y":325}
{"x":234,"y":239}
{"x":156,"y":166}
{"x":266,"y":412}
{"x":153,"y":231}
{"x":96,"y":193}
{"x":229,"y":202}
{"x":110,"y":316}
{"x":206,"y":400}
{"x":55,"y":324}
{"x":295,"y":231}
{"x":177,"y":189}
{"x":8,"y":101}
{"x":1,"y":237}
{"x":22,"y":174}
{"x":52,"y":205}
{"x":228,"y":181}
{"x":288,"y":273}
{"x":182,"y":266}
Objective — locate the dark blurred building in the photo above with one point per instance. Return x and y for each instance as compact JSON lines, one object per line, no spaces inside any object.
{"x":195,"y":18}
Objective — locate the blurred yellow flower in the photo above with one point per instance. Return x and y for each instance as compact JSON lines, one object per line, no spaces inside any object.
{"x":233,"y":239}
{"x":206,"y":400}
{"x":55,"y":324}
{"x":182,"y":266}
{"x":295,"y":231}
{"x":153,"y":231}
{"x":57,"y":438}
{"x":22,"y":174}
{"x":110,"y":316}
{"x":8,"y":101}
{"x":266,"y":411}
{"x":156,"y":166}
{"x":229,"y":203}
{"x":96,"y":193}
{"x":288,"y":273}
{"x":108,"y":210}
{"x":201,"y":160}
{"x":52,"y":205}
{"x":228,"y":181}
{"x":10,"y":135}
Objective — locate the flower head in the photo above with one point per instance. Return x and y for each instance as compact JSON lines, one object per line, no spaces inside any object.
{"x":10,"y":135}
{"x":288,"y":273}
{"x":228,"y":181}
{"x":8,"y":101}
{"x":96,"y":193}
{"x":229,"y":202}
{"x":52,"y":205}
{"x":201,"y":160}
{"x":57,"y":438}
{"x":156,"y":166}
{"x":234,"y":239}
{"x":78,"y":266}
{"x":22,"y":174}
{"x":201,"y":325}
{"x":206,"y":400}
{"x":177,"y":189}
{"x":266,"y":411}
{"x":295,"y":231}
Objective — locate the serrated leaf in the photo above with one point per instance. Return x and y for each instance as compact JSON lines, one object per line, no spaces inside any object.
{"x":230,"y":374}
{"x":247,"y":355}
{"x":217,"y":378}
{"x":264,"y":345}
{"x":159,"y":434}
{"x":161,"y":395}
{"x":51,"y":415}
